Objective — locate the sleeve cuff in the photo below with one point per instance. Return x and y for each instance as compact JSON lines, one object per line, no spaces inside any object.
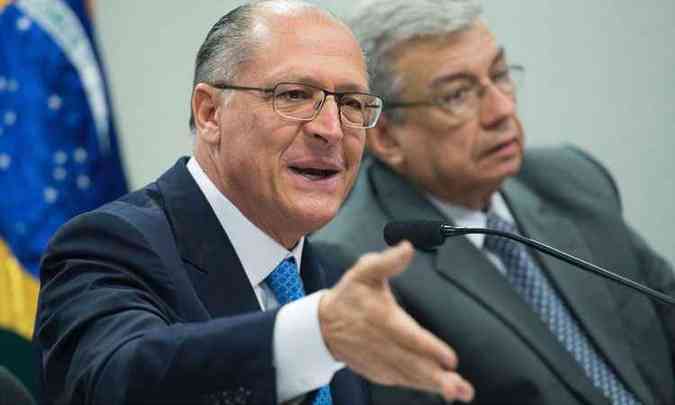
{"x":301,"y":358}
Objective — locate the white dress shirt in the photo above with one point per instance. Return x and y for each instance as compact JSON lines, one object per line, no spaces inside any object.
{"x":302,"y":361}
{"x":463,"y":216}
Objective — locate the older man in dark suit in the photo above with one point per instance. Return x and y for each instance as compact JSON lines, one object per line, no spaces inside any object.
{"x":157,"y":297}
{"x":527,"y":329}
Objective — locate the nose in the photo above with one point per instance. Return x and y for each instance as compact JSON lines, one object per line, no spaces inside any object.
{"x":327,"y":124}
{"x":496,"y":106}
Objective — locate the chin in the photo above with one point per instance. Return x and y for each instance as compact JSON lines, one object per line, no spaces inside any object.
{"x":513,"y":167}
{"x":315,"y":215}
{"x":494,"y":178}
{"x":509,"y":166}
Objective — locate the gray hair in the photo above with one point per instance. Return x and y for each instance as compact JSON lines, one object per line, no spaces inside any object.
{"x":232,"y":41}
{"x":383,"y":26}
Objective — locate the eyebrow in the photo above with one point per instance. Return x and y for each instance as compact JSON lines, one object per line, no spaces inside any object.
{"x":346,"y":87}
{"x":499,"y":57}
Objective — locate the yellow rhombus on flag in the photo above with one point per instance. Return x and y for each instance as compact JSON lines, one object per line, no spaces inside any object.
{"x":18,"y":295}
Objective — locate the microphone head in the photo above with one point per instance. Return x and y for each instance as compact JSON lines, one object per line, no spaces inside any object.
{"x":424,"y":235}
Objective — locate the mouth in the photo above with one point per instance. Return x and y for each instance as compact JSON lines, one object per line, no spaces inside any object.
{"x":315,"y":173}
{"x":507,"y":146}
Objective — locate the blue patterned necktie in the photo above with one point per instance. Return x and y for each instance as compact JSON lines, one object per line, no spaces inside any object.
{"x":530,"y":282}
{"x":286,"y":284}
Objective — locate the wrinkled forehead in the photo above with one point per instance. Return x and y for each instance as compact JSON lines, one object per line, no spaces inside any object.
{"x":468,"y":45}
{"x":473,"y":50}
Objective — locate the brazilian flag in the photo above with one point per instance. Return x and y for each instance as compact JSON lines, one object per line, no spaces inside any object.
{"x":58,"y":151}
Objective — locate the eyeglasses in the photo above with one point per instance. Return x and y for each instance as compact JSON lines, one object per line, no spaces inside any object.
{"x":461,"y":97}
{"x":303,"y":102}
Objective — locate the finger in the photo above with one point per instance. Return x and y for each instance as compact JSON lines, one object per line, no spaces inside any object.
{"x":466,"y":391}
{"x":409,"y":369}
{"x":412,"y":336}
{"x":452,"y":387}
{"x":388,"y":263}
{"x":424,"y":373}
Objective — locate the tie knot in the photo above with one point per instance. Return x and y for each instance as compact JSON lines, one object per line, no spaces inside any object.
{"x":494,"y":221}
{"x":498,"y":244}
{"x":285,"y":281}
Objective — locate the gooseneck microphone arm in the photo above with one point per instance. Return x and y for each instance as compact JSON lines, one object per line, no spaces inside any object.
{"x":429,"y":234}
{"x":450,"y":231}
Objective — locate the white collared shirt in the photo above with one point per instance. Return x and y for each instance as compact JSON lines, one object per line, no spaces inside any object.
{"x":463,"y":216}
{"x":302,"y":361}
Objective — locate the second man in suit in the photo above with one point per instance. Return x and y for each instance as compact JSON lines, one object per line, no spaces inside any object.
{"x":527,"y":329}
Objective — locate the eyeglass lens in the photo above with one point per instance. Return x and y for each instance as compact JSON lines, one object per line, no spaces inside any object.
{"x":462,"y":97}
{"x":303,"y":102}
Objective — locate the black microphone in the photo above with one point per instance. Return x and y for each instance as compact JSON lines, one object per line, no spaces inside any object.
{"x":427,"y":235}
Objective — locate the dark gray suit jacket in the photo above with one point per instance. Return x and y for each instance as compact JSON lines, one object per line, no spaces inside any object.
{"x":565,"y":199}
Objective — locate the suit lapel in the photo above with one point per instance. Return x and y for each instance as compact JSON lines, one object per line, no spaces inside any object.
{"x":398,"y":198}
{"x":312,"y":274}
{"x":464,"y":265}
{"x":586,"y":294}
{"x":219,"y":278}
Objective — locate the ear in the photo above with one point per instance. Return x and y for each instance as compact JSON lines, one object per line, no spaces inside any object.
{"x":205,"y":109}
{"x":383,"y":142}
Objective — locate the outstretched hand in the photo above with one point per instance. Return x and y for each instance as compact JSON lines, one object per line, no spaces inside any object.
{"x":364,"y":327}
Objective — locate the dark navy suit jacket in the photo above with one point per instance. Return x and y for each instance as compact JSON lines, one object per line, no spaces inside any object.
{"x":144,"y":300}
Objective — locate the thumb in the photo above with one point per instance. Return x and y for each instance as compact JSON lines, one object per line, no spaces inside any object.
{"x":376,"y":267}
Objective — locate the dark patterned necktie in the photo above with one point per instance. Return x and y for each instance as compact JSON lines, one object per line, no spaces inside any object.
{"x":530,"y":282}
{"x":286,"y":284}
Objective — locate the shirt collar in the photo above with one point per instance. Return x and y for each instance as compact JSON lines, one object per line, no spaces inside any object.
{"x":462,"y":216}
{"x":258,"y":253}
